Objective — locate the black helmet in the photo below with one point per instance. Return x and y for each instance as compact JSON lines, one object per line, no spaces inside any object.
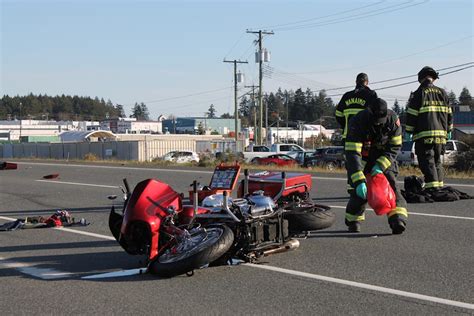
{"x":427,"y":71}
{"x":378,"y":111}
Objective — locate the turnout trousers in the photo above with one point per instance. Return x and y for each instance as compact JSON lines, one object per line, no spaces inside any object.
{"x":429,"y":160}
{"x":356,"y":206}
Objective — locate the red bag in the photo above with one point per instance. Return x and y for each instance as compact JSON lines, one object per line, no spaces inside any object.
{"x":380,"y":195}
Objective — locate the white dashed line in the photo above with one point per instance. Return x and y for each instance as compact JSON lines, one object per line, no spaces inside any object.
{"x":419,"y":214}
{"x":50,"y":273}
{"x":364,"y":286}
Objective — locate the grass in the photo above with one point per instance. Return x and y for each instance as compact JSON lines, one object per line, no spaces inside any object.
{"x":404,"y":171}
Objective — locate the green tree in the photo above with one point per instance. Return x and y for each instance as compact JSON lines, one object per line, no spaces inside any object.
{"x":396,"y":107}
{"x":211,"y":112}
{"x":452,"y":98}
{"x":465,"y":98}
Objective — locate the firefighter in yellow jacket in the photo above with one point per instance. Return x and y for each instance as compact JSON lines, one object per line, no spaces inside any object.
{"x":373,"y":141}
{"x":429,"y":122}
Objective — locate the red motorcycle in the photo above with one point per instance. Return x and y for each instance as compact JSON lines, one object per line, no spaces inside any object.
{"x":177,"y":237}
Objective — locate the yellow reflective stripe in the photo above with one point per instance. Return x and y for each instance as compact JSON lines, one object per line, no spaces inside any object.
{"x":384,"y":162}
{"x":353,"y":146}
{"x":441,"y":183}
{"x":351,"y":111}
{"x":435,"y":133}
{"x":339,"y":113}
{"x":433,"y":108}
{"x":355,"y":218}
{"x":409,"y":128}
{"x":396,"y":140}
{"x":357,"y":176}
{"x":412,"y":112}
{"x":398,"y":211}
{"x":434,"y":184}
{"x":435,"y":103}
{"x":450,"y":111}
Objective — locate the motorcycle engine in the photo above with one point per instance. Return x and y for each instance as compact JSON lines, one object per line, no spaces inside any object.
{"x":215,"y":202}
{"x":260,"y":204}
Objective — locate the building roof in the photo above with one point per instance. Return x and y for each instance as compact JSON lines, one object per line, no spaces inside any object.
{"x":82,"y":136}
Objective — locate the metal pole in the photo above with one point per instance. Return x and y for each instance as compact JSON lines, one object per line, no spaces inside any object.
{"x":20,"y":122}
{"x":260,"y":79}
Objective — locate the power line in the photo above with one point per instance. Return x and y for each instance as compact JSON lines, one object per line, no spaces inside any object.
{"x":323,"y":17}
{"x":187,"y":95}
{"x":399,"y":78}
{"x":410,"y":82}
{"x":384,"y":10}
{"x":388,"y":60}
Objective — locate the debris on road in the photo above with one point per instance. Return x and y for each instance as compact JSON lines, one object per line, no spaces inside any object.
{"x":61,"y":218}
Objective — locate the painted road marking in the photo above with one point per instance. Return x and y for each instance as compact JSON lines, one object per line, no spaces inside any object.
{"x":31,"y":269}
{"x":364,"y":286}
{"x":59,"y":274}
{"x":192,"y":171}
{"x":420,"y":214}
{"x":116,"y":274}
{"x":83,"y":184}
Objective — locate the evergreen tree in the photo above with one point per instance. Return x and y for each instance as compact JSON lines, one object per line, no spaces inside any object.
{"x":120,"y":110}
{"x":396,"y":107}
{"x":452,"y":98}
{"x":465,"y":97}
{"x":211,"y":112}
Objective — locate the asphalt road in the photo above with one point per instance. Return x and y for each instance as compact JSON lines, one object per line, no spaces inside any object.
{"x":427,"y":270}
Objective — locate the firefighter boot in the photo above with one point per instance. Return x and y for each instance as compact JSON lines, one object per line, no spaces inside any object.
{"x":353,"y":227}
{"x":397,"y":225}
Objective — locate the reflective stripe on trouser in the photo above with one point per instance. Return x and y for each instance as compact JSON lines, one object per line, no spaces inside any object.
{"x":356,"y":206}
{"x":400,"y":210}
{"x":429,"y":160}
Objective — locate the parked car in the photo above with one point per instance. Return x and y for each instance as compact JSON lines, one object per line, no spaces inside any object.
{"x":302,"y":157}
{"x":261,"y":151}
{"x":276,"y":160}
{"x":407,"y":156}
{"x":181,"y":156}
{"x":328,"y":157}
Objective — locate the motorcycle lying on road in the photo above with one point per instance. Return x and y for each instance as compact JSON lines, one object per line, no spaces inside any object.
{"x":177,"y":237}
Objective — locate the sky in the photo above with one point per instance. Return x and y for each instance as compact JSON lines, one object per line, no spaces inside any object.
{"x":169,"y":54}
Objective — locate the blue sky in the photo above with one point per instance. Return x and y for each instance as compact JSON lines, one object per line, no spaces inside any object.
{"x":150,"y":51}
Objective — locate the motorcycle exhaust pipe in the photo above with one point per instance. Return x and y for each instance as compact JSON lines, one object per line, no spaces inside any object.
{"x":226,"y":206}
{"x":291,"y":244}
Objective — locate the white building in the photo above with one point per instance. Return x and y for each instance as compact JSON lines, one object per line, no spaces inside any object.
{"x":132,"y":126}
{"x":12,"y":130}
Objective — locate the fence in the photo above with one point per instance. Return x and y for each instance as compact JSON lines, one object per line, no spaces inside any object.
{"x":119,"y":150}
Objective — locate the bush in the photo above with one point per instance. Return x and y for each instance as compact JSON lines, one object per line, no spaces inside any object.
{"x":464,"y":161}
{"x":230,"y":156}
{"x":90,"y":157}
{"x":206,"y":159}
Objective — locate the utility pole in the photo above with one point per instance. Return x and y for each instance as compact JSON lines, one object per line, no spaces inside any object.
{"x":254,"y":112}
{"x":236,"y":112}
{"x":260,"y":77}
{"x":20,"y":122}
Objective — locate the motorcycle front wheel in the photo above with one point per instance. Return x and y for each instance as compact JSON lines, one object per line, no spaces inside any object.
{"x":203,"y":246}
{"x":309,"y":217}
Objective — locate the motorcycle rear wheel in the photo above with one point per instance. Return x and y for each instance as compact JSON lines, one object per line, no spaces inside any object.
{"x":309,"y":217}
{"x":203,"y":247}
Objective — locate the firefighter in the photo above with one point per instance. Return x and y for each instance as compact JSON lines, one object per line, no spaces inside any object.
{"x":354,"y":101}
{"x":373,"y":141}
{"x":429,"y":123}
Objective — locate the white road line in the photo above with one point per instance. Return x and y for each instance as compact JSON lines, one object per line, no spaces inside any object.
{"x":293,"y":272}
{"x":190,"y":171}
{"x":30,"y":269}
{"x":77,"y":183}
{"x":420,"y":214}
{"x":364,"y":286}
{"x":116,"y":274}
